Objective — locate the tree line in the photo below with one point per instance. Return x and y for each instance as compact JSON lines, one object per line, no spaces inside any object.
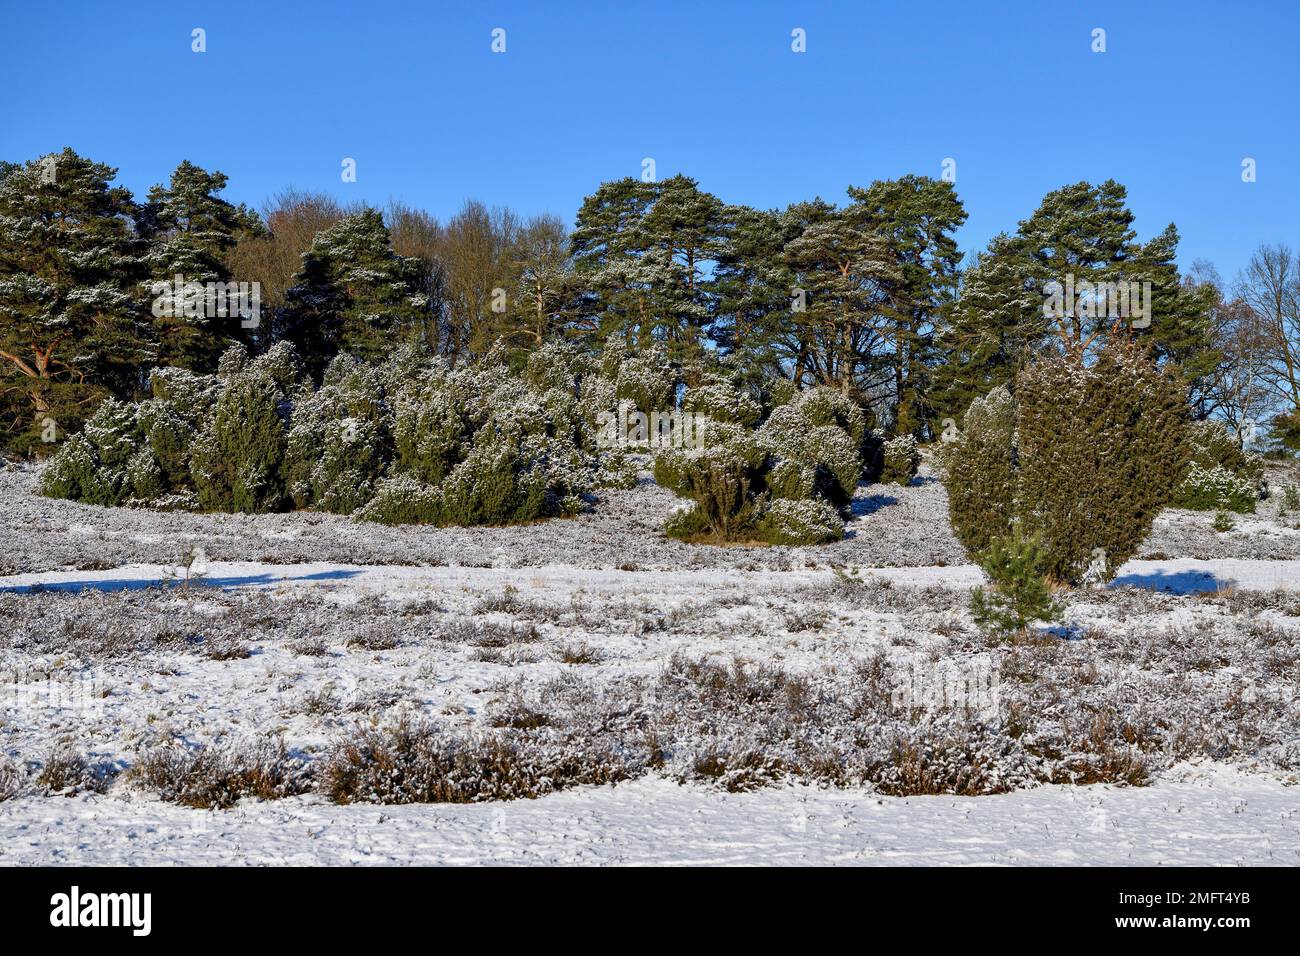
{"x":870,"y":297}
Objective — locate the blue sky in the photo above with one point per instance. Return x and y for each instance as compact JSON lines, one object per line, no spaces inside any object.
{"x":585,"y":91}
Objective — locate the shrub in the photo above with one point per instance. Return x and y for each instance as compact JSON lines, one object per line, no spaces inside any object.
{"x":720,"y":480}
{"x":418,"y":762}
{"x":471,"y":446}
{"x":182,"y":401}
{"x":92,"y":466}
{"x":791,"y":522}
{"x":12,"y":779}
{"x":1020,"y":593}
{"x":340,"y":440}
{"x":434,"y":420}
{"x":901,"y":460}
{"x":559,"y":366}
{"x":218,"y":777}
{"x":979,"y":471}
{"x":403,"y":499}
{"x":1213,"y":444}
{"x":1214,"y":488}
{"x":1220,"y":473}
{"x":780,"y":392}
{"x":648,"y":381}
{"x":1097,"y":447}
{"x":782,"y":483}
{"x":792,"y":480}
{"x":1284,"y":432}
{"x":69,"y":773}
{"x":828,"y":449}
{"x":492,"y":486}
{"x":235,"y":461}
{"x":1099,"y":450}
{"x":823,"y":406}
{"x":1223,"y":522}
{"x":136,"y":454}
{"x":723,"y":402}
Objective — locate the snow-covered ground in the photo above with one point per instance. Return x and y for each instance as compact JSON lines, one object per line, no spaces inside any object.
{"x":1176,"y":576}
{"x":756,"y":704}
{"x":1214,"y":816}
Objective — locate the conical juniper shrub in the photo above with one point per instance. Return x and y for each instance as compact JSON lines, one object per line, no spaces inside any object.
{"x":1097,"y":447}
{"x":235,"y":461}
{"x":979,"y":471}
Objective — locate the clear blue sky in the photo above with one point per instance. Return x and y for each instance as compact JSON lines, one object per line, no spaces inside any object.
{"x":584,"y":91}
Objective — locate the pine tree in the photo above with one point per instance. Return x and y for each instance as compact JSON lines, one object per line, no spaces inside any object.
{"x":1181,"y":328}
{"x":353,"y":294}
{"x":1080,"y":236}
{"x":71,"y":329}
{"x":607,"y":243}
{"x":644,"y":252}
{"x":190,"y":229}
{"x":916,"y":216}
{"x":754,"y":286}
{"x":1020,"y":593}
{"x":996,"y":325}
{"x":845,"y":273}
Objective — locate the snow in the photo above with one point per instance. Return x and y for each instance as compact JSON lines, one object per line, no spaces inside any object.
{"x":1212,"y":816}
{"x":1176,"y":576}
{"x":1199,"y":635}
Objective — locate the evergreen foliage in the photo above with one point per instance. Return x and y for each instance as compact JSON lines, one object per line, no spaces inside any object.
{"x":1094,"y":453}
{"x":901,"y":460}
{"x":406,"y":441}
{"x":353,"y":294}
{"x":1020,"y":594}
{"x":1220,"y":473}
{"x":1081,"y":234}
{"x":72,"y":330}
{"x":783,"y":483}
{"x":742,"y":307}
{"x":189,"y":230}
{"x":979,"y":471}
{"x":1099,"y":448}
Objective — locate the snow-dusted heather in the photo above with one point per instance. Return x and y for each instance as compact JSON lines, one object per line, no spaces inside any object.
{"x":755,"y":704}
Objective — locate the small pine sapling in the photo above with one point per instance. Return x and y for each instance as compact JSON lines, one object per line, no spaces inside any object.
{"x":1020,"y":594}
{"x":193,"y":566}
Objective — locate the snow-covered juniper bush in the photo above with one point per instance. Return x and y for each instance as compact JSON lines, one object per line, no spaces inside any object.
{"x":1083,"y":457}
{"x":1220,"y":473}
{"x":785,"y":482}
{"x":408,"y":441}
{"x":902,"y":460}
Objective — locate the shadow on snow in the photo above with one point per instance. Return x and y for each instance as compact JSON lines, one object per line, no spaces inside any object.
{"x":1174,"y":582}
{"x":141,"y":584}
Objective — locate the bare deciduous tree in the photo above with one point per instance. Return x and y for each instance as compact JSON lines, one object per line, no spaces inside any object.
{"x":1270,"y":288}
